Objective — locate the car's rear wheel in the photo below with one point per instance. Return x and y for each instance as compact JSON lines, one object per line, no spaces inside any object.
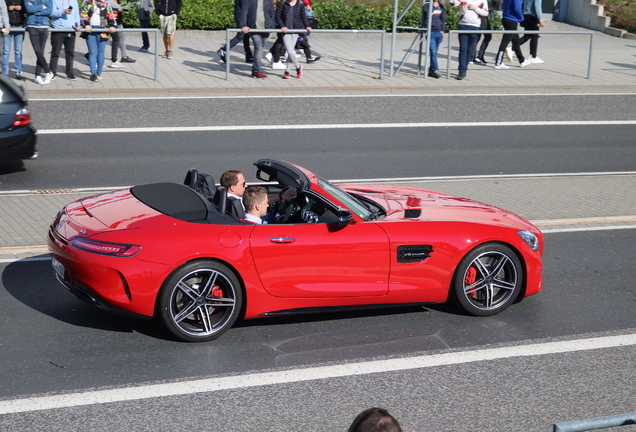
{"x":487,"y":280}
{"x":200,"y":301}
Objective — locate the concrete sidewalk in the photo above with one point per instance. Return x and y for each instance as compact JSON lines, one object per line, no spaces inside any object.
{"x":350,"y":64}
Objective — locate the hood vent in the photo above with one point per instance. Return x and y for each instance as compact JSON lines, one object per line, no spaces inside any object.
{"x":412,"y":213}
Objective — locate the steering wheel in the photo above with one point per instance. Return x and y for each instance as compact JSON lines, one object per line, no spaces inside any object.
{"x":285,"y":208}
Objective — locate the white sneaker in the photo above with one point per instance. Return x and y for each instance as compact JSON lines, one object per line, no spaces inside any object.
{"x":48,"y":78}
{"x":116,"y":64}
{"x":279,"y":65}
{"x":509,"y":54}
{"x":537,"y":60}
{"x":502,"y":66}
{"x":39,"y":80}
{"x":526,"y":62}
{"x":268,"y":56}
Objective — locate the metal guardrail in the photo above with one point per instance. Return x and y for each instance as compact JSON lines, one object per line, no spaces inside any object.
{"x":540,"y":32}
{"x":596,"y":423}
{"x":100,"y":30}
{"x":235,"y":30}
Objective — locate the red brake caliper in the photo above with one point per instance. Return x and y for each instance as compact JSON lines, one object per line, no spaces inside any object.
{"x":471,"y":277}
{"x":217,"y":292}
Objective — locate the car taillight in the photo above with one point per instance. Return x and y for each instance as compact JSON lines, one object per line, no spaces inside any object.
{"x":22,"y":117}
{"x":105,"y":248}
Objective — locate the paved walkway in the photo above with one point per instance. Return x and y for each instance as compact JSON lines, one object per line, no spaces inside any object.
{"x":351,"y":64}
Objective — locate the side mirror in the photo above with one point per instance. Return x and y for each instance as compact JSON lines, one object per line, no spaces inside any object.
{"x":344,"y":217}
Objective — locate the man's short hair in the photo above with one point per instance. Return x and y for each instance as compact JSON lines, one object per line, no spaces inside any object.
{"x":375,"y":420}
{"x":230,"y":178}
{"x":254,"y":195}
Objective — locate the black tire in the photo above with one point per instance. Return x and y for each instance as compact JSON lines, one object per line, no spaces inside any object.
{"x":487,"y":280}
{"x":200,"y":301}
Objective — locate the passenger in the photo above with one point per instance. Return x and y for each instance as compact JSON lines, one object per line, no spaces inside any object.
{"x":234,"y":182}
{"x":255,"y":200}
{"x":375,"y":420}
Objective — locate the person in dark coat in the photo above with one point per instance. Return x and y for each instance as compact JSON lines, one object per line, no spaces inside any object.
{"x":255,"y":14}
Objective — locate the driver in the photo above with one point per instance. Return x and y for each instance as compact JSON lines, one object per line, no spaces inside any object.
{"x":234,"y":182}
{"x":255,"y":200}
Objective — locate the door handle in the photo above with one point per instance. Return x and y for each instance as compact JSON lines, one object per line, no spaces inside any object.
{"x":282,"y":240}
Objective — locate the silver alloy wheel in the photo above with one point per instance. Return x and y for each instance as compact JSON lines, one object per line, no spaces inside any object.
{"x":490,"y":281}
{"x":200,"y":301}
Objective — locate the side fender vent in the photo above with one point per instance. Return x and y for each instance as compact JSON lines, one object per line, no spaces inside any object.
{"x":413,"y":253}
{"x":412,"y":213}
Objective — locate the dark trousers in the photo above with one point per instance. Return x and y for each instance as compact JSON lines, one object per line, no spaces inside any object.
{"x":531,"y":23}
{"x":485,"y":25}
{"x":277,"y":48}
{"x":38,"y":37}
{"x":116,"y":38}
{"x":507,"y":38}
{"x":303,"y":44}
{"x":144,"y":35}
{"x":57,"y":41}
{"x":240,"y":36}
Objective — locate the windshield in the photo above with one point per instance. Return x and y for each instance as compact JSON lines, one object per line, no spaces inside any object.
{"x":350,"y":202}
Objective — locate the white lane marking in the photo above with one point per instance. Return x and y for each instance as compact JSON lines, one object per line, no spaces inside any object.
{"x":327,"y":96}
{"x":335,"y":126}
{"x":307,"y":374}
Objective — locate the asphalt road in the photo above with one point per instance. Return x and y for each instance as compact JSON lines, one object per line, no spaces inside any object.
{"x":51,"y":343}
{"x":237,"y":111}
{"x":108,"y":159}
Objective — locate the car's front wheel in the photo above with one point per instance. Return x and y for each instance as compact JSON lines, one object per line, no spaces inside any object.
{"x":200,"y":301}
{"x":487,"y":280}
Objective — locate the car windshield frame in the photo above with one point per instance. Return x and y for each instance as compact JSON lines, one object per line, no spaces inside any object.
{"x":346,"y":198}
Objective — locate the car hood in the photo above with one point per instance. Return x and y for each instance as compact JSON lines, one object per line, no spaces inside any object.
{"x":402,"y":203}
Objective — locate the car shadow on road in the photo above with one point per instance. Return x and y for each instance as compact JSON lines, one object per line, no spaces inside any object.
{"x":33,"y":284}
{"x":12,"y":167}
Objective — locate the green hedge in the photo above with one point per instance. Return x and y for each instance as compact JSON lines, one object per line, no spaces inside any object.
{"x":335,"y":14}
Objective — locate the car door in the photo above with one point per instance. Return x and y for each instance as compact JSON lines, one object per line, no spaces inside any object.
{"x":322,"y":260}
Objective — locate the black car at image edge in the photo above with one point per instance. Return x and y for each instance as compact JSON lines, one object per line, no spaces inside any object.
{"x":17,"y":131}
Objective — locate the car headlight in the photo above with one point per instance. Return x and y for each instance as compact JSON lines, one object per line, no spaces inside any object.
{"x":530,"y":239}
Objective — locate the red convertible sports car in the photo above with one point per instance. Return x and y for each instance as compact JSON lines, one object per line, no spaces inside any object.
{"x":176,"y":251}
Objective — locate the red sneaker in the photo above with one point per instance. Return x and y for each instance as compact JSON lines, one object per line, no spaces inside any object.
{"x":286,"y":75}
{"x":299,"y":72}
{"x":259,"y":75}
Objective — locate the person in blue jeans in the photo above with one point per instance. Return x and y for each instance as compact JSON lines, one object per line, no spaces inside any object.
{"x":438,"y":25}
{"x":97,"y":14}
{"x":17,"y":18}
{"x":469,"y":19}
